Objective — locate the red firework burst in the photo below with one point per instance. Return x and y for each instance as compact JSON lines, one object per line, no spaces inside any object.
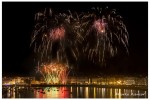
{"x":99,"y":25}
{"x":57,"y":33}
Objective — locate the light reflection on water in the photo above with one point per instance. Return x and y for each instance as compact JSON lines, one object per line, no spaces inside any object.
{"x":72,"y":92}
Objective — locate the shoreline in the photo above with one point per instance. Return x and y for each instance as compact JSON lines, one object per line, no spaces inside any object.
{"x":141,"y":87}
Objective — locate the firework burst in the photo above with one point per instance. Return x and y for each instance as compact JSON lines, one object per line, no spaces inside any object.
{"x":104,"y":31}
{"x":54,"y":34}
{"x":54,"y":72}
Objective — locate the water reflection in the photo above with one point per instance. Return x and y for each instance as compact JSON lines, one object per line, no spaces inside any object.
{"x":72,"y":92}
{"x":51,"y":92}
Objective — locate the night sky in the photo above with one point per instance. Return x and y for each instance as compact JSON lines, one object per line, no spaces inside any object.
{"x":18,"y":24}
